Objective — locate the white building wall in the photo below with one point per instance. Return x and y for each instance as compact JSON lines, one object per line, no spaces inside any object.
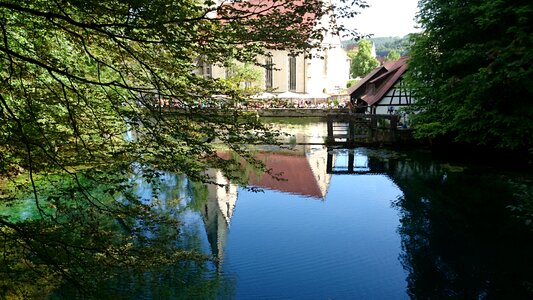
{"x":333,"y":71}
{"x":313,"y":75}
{"x":316,"y":78}
{"x":280,"y":65}
{"x":281,"y":74}
{"x":338,"y":69}
{"x":396,"y":98}
{"x":382,"y":110}
{"x":218,"y":71}
{"x":301,"y":81}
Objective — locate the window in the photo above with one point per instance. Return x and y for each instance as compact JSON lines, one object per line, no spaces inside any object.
{"x":208,"y":70}
{"x":269,"y":78}
{"x":292,"y":73}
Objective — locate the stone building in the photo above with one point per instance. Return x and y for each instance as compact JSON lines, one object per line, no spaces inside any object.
{"x":311,"y":74}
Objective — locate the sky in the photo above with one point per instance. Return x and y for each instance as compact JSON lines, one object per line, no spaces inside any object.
{"x":386,"y":18}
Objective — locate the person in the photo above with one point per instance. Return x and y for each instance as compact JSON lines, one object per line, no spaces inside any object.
{"x":390,"y":110}
{"x":350,"y":106}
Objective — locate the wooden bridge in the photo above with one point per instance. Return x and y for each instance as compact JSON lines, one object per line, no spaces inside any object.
{"x":351,"y":130}
{"x":343,"y":129}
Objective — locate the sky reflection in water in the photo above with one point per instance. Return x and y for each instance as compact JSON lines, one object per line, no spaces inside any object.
{"x":348,"y":224}
{"x":382,"y":226}
{"x":343,"y":246}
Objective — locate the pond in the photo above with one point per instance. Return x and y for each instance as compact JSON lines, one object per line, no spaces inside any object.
{"x":344,"y":224}
{"x":338,"y":240}
{"x":373,"y":224}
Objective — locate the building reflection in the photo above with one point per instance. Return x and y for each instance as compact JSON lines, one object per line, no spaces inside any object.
{"x":218,"y":210}
{"x":456,"y":242}
{"x":301,"y":171}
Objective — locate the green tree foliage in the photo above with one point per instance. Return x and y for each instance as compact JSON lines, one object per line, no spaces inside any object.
{"x":86,"y":92}
{"x":393,"y":55}
{"x":245,"y":76}
{"x":73,"y":241}
{"x":362,"y":61}
{"x":471,"y":72}
{"x":77,"y":74}
{"x":384,"y":45}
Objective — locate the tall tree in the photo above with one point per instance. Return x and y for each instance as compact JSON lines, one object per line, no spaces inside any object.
{"x":384,"y":45}
{"x":77,"y":74}
{"x":471,"y":72}
{"x":85,"y":90}
{"x":362,"y":60}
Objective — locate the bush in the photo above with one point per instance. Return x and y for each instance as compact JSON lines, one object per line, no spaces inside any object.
{"x":351,"y":82}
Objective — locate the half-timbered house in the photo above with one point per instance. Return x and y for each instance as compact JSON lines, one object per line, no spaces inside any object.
{"x":382,"y":91}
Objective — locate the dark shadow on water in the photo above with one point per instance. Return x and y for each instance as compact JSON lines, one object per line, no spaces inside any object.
{"x":460,"y":238}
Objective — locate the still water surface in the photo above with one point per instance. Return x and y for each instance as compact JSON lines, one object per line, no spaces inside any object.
{"x":345,"y":224}
{"x":378,"y":225}
{"x":344,"y":246}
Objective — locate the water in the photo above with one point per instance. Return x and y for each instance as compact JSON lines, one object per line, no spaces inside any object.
{"x":283,"y":246}
{"x":346,"y":224}
{"x":373,"y":224}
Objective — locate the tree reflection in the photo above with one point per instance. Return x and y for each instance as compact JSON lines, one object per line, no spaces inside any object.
{"x":459,"y":238}
{"x":103,"y":235}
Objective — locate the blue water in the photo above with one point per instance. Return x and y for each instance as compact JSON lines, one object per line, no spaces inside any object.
{"x":273,"y":244}
{"x":348,"y":224}
{"x":283,"y":246}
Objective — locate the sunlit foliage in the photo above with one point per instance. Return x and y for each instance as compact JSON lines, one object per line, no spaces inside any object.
{"x":471,"y":72}
{"x":95,"y":93}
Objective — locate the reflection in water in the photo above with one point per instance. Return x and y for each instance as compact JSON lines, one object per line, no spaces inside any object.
{"x":458,"y":237}
{"x":114,"y":250}
{"x":217,"y":212}
{"x":285,"y":245}
{"x":448,"y":234}
{"x":344,"y":161}
{"x":302,"y":171}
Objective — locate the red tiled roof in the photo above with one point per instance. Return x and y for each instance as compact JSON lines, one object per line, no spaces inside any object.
{"x":271,"y":12}
{"x":298,"y":175}
{"x":375,"y":85}
{"x":389,"y":65}
{"x":376,"y":72}
{"x":265,"y":8}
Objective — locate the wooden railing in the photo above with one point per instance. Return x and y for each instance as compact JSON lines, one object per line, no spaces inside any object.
{"x":352,"y":129}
